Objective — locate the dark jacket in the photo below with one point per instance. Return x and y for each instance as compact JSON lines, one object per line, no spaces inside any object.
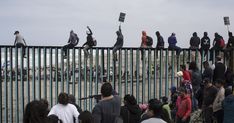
{"x":217,"y":42}
{"x":196,"y":79}
{"x":89,"y":39}
{"x":219,"y":71}
{"x":228,"y":107}
{"x":160,"y":43}
{"x":209,"y":96}
{"x":120,"y":39}
{"x":130,"y":113}
{"x":207,"y":73}
{"x":107,"y":111}
{"x":194,"y":42}
{"x":230,"y":43}
{"x":229,"y":77}
{"x":172,"y":41}
{"x":205,"y":43}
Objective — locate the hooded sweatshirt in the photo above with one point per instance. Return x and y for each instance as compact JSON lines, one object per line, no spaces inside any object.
{"x":228,"y":107}
{"x":130,"y":113}
{"x":194,"y":41}
{"x":184,"y":106}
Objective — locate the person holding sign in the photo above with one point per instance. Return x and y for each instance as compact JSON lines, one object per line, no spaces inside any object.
{"x":90,"y":42}
{"x":119,"y":42}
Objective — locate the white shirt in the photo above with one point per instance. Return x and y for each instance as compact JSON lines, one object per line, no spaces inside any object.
{"x":154,"y":120}
{"x":19,"y":39}
{"x":66,"y":113}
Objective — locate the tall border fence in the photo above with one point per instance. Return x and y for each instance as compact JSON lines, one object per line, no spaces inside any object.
{"x":44,"y":72}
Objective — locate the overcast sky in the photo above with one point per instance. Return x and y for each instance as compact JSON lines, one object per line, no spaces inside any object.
{"x":48,"y":22}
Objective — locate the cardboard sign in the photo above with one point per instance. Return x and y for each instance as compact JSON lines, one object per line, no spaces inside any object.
{"x":122,"y":17}
{"x":226,"y":21}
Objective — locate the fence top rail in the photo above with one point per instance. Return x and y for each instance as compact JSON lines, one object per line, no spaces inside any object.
{"x":123,"y":48}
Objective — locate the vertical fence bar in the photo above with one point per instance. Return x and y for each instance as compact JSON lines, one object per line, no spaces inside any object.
{"x":97,"y":69}
{"x":108,"y":64}
{"x":126,"y":71}
{"x":85,"y":82}
{"x":39,"y":72}
{"x":155,"y":73}
{"x":6,"y":87}
{"x":102,"y":64}
{"x":172,"y":68}
{"x":33,"y":74}
{"x":149,"y":75}
{"x":166,"y":74}
{"x":177,"y":69}
{"x":79,"y":76}
{"x":22,"y":80}
{"x":131,"y":71}
{"x":137,"y":77}
{"x":113,"y":72}
{"x":67,"y":71}
{"x":120,"y":73}
{"x":45,"y":73}
{"x":58,"y":76}
{"x":62,"y":71}
{"x":11,"y":86}
{"x":160,"y":74}
{"x":91,"y":78}
{"x":143,"y":76}
{"x":73,"y":72}
{"x":51,"y":77}
{"x":28,"y":73}
{"x":16,"y":87}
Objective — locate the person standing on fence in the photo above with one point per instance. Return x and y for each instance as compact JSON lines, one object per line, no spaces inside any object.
{"x":107,"y":110}
{"x":20,"y":42}
{"x":89,"y":43}
{"x":64,"y":110}
{"x":160,"y":43}
{"x":205,"y":44}
{"x":172,"y":44}
{"x":72,"y":42}
{"x":119,"y":43}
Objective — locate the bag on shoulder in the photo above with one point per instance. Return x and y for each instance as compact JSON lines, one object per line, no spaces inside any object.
{"x":149,"y":41}
{"x":222,"y":43}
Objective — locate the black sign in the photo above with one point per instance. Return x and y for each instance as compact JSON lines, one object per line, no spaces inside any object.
{"x":122,"y":17}
{"x":226,"y":21}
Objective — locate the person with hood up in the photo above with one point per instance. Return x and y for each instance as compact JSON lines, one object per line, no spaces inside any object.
{"x":184,"y":106}
{"x":194,"y":42}
{"x":90,"y":41}
{"x":216,"y":45}
{"x":160,"y":43}
{"x":130,"y":112}
{"x":72,"y":42}
{"x":172,"y":44}
{"x":119,"y":43}
{"x":143,"y":43}
{"x":205,"y":44}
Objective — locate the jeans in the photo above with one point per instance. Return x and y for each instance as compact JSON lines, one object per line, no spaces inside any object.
{"x":86,"y":48}
{"x":68,"y":46}
{"x":174,"y":47}
{"x":208,"y":114}
{"x":20,"y":45}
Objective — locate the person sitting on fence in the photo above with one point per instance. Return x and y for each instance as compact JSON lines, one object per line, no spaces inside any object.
{"x":72,"y":42}
{"x":64,"y":110}
{"x":160,"y":43}
{"x":172,"y":44}
{"x":218,"y":44}
{"x":89,"y":43}
{"x":194,"y":42}
{"x":146,"y":42}
{"x":119,"y":43}
{"x":205,"y":44}
{"x":86,"y":117}
{"x":20,"y":42}
{"x":130,"y":112}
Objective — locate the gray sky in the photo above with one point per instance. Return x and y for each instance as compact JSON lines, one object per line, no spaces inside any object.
{"x":48,"y":22}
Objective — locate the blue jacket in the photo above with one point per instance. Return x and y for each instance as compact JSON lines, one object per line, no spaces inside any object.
{"x":172,"y":41}
{"x":228,"y":107}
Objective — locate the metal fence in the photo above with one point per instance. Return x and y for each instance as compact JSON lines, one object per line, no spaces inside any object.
{"x":44,"y":72}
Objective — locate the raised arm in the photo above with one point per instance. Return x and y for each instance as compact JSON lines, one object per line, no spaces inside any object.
{"x":90,"y":30}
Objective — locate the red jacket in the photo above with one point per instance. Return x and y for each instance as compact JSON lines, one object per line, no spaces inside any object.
{"x":184,"y":107}
{"x":186,"y":75}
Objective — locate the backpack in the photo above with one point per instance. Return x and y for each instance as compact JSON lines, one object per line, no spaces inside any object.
{"x":222,"y":43}
{"x":149,"y":41}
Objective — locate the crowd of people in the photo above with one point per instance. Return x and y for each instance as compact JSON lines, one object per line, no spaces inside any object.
{"x":205,"y":97}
